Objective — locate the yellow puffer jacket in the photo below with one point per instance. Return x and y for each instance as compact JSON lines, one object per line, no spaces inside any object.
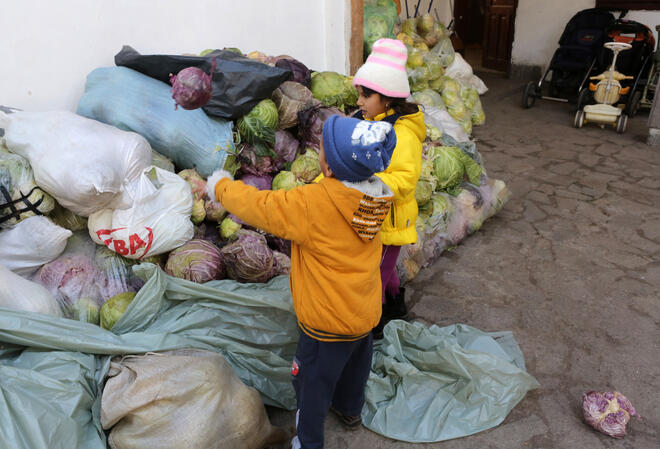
{"x":401,"y":177}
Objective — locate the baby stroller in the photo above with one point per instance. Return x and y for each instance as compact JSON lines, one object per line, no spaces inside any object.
{"x":635,"y":62}
{"x":652,"y":79}
{"x":579,"y":56}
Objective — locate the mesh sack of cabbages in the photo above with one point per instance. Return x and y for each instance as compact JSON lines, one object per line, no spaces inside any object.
{"x":454,"y":197}
{"x":380,"y":17}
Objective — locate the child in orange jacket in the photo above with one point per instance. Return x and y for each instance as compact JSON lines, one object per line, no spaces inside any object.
{"x":334,"y":227}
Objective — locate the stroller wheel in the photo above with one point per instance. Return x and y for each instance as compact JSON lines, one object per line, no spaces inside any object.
{"x":529,"y":95}
{"x":578,"y":122}
{"x":622,"y":123}
{"x":583,"y":98}
{"x":632,"y":106}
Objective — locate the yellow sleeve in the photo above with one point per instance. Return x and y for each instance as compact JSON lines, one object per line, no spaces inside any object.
{"x":405,"y":166}
{"x":278,"y":212}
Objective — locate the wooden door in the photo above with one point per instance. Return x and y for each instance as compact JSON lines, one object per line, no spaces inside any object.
{"x":469,"y":20}
{"x":498,"y":34}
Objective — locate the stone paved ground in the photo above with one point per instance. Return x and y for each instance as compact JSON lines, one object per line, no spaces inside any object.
{"x":571,"y":265}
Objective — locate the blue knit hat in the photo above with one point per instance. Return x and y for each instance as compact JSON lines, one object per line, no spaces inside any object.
{"x":356,"y":149}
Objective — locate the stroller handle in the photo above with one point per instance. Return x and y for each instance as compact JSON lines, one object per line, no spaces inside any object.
{"x":617,"y":46}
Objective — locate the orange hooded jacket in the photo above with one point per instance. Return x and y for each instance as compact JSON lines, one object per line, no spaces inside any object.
{"x":335,"y":252}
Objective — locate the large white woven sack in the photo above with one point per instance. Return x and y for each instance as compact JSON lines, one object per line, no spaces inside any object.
{"x":83,"y":163}
{"x":183,"y":399}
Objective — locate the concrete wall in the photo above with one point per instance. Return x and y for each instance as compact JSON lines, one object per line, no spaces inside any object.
{"x":539,"y":25}
{"x":48,"y":47}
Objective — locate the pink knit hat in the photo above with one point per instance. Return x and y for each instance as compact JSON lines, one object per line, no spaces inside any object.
{"x":385,"y":69}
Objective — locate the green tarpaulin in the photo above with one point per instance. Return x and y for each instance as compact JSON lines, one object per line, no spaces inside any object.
{"x":451,"y":381}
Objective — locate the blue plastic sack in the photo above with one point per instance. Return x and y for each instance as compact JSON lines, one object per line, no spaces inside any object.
{"x":135,"y":102}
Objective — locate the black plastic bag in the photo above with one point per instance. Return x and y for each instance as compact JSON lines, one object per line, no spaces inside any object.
{"x":239,"y":83}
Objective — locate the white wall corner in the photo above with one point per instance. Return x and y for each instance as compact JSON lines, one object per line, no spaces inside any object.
{"x":337,"y":40}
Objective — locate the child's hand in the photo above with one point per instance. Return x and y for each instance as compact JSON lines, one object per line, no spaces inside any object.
{"x":213,"y":180}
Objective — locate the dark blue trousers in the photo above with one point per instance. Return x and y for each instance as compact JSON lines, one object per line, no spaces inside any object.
{"x":324,"y":374}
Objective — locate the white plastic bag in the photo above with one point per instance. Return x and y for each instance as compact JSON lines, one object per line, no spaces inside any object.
{"x":157,"y":222}
{"x":462,"y":72}
{"x":30,"y":244}
{"x":445,"y":123}
{"x":183,"y":399}
{"x":21,"y":294}
{"x":83,"y":163}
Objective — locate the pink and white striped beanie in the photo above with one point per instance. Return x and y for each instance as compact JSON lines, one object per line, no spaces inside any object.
{"x":385,"y":69}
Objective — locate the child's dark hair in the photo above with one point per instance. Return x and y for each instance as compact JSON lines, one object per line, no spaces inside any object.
{"x":400,"y":105}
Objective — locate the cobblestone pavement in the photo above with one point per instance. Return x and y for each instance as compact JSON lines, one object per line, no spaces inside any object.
{"x":571,"y":265}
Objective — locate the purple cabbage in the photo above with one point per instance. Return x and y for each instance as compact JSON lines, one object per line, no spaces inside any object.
{"x":196,"y":260}
{"x":286,"y":147}
{"x":71,"y":277}
{"x":191,"y":87}
{"x":279,"y":244}
{"x":281,"y":264}
{"x":310,"y":124}
{"x":253,"y":164}
{"x":301,"y":74}
{"x":264,"y":182}
{"x":249,"y":259}
{"x":607,"y":412}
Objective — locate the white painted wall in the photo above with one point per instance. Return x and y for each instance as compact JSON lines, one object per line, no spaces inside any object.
{"x":539,"y":25}
{"x":48,"y":47}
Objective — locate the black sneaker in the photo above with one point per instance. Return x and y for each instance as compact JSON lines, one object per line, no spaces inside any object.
{"x":395,"y":306}
{"x":350,"y":422}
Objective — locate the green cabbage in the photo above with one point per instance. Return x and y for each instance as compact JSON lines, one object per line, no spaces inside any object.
{"x":441,"y":210}
{"x":161,"y":161}
{"x":470,"y":96}
{"x":415,"y":58}
{"x":445,"y":50}
{"x":258,"y":126}
{"x":306,"y":167}
{"x":425,"y":210}
{"x":114,"y":308}
{"x":451,"y":165}
{"x":428,"y":97}
{"x":198,"y":212}
{"x":333,"y":89}
{"x":434,"y":65}
{"x":409,"y":26}
{"x":229,"y":228}
{"x":86,"y":310}
{"x":478,"y":115}
{"x":433,"y":133}
{"x":437,"y":84}
{"x":423,"y":192}
{"x":285,"y":180}
{"x":427,"y":173}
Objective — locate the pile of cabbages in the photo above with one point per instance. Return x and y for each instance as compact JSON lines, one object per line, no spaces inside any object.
{"x":439,"y":76}
{"x":279,"y":149}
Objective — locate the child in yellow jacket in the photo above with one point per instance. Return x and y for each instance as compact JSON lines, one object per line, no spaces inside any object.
{"x":335,"y":256}
{"x":383,"y":87}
